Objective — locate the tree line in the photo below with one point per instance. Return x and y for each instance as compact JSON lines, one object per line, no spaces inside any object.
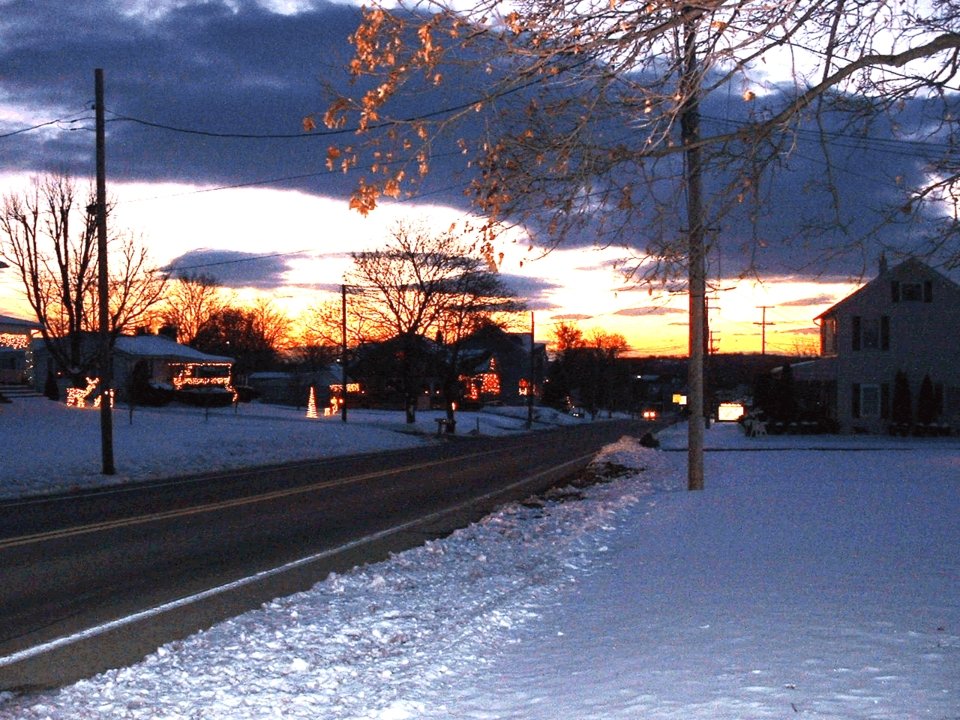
{"x":422,"y":283}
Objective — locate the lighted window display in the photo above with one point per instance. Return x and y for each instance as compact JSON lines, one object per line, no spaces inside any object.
{"x":200,"y":374}
{"x":730,"y":412}
{"x":14,"y":341}
{"x":351,"y":388}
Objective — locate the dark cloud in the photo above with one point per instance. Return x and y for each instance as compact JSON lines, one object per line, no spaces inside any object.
{"x":319,"y":287}
{"x":235,"y":269}
{"x":532,"y":291}
{"x":225,"y":72}
{"x":811,"y":301}
{"x":650,"y":311}
{"x":573,"y":316}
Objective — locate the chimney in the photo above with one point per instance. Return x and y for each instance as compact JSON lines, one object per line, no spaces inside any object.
{"x":883,"y":263}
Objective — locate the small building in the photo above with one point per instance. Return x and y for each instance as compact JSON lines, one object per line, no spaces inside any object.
{"x":163,"y":361}
{"x":156,"y":359}
{"x":906,"y":320}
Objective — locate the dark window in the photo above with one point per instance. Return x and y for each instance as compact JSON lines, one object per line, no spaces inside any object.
{"x":870,"y":401}
{"x":871,"y":333}
{"x":911,"y":292}
{"x":855,"y":401}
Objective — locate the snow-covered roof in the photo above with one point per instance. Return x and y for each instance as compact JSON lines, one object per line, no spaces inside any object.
{"x":11,"y":323}
{"x":158,"y":346}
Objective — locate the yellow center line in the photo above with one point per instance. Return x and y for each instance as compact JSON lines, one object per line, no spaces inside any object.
{"x":222,"y":505}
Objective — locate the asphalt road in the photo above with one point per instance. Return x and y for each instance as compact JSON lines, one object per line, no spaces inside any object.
{"x":98,"y":579}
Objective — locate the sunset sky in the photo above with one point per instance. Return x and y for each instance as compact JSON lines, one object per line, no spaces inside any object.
{"x":259,"y":210}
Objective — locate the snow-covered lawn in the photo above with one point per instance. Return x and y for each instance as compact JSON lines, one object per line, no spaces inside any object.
{"x":802,"y":582}
{"x":48,"y":447}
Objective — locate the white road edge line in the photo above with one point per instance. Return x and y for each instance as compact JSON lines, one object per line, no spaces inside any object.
{"x":67,"y":640}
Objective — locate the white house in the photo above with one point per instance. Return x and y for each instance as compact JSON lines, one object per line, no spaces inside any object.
{"x":907,"y":319}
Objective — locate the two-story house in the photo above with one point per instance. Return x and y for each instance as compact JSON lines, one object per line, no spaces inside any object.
{"x":906,"y":319}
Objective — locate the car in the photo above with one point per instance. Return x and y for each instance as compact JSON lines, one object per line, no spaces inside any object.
{"x":577,"y":412}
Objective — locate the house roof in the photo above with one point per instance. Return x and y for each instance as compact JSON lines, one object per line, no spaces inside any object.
{"x":157,"y":346}
{"x":910,"y":264}
{"x":16,"y":324}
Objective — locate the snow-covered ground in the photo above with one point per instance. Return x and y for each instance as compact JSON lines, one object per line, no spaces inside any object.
{"x":814,"y":577}
{"x":157,"y":442}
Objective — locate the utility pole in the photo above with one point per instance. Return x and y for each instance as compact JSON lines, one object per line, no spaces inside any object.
{"x":343,"y":353}
{"x":690,"y":136}
{"x":763,"y":327}
{"x":532,"y":371}
{"x":103,"y":284}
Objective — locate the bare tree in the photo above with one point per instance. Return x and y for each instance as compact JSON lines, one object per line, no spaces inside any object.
{"x":273,"y":324}
{"x":610,"y":344}
{"x":323,"y":323}
{"x":567,"y":336}
{"x":190,"y":301}
{"x":51,"y":241}
{"x":591,"y":116}
{"x":253,"y":336}
{"x":426,"y":284}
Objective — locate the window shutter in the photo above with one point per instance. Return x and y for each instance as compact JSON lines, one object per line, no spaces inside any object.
{"x":927,"y":291}
{"x":884,"y":332}
{"x":895,"y":290}
{"x":856,"y":333}
{"x":855,"y":400}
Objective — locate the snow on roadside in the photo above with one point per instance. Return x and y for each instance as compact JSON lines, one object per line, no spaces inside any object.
{"x":381,"y":641}
{"x":816,"y":576}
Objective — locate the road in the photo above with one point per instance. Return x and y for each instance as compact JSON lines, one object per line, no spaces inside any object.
{"x":98,"y":579}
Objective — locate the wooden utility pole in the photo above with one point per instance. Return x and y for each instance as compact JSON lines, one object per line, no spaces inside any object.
{"x":103,"y":285}
{"x":763,"y":327}
{"x":532,"y":377}
{"x":696,"y":271}
{"x":343,"y":353}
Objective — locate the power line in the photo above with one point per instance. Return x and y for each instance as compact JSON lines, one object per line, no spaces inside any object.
{"x":39,"y":126}
{"x":234,"y":261}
